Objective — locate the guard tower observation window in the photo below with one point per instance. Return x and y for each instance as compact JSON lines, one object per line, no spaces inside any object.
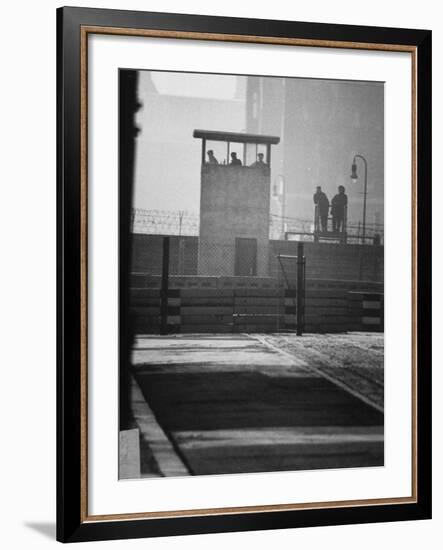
{"x":235,"y":149}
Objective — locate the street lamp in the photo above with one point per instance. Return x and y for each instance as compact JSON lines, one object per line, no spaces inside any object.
{"x":354,"y":178}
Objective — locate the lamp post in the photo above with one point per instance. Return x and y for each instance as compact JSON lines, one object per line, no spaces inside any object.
{"x":354,"y":178}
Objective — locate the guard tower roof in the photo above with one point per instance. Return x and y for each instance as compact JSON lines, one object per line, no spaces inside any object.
{"x":235,"y":137}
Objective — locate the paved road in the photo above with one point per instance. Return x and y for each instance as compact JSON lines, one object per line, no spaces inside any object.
{"x":236,"y":403}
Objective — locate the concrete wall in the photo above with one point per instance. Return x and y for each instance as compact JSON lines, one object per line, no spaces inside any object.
{"x":147,"y":251}
{"x":323,"y":260}
{"x":352,"y":262}
{"x":234,"y":203}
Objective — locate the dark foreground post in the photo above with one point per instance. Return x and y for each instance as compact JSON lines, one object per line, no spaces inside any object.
{"x":164,"y":288}
{"x":300,"y":288}
{"x":128,"y":107}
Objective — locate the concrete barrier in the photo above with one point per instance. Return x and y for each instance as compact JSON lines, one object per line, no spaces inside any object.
{"x":366,"y":311}
{"x":330,"y":306}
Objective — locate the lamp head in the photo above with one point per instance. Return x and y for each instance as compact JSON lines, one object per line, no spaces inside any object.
{"x":354,"y":176}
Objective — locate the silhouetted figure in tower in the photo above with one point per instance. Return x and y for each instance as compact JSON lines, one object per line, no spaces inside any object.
{"x":234,"y":160}
{"x":259,"y":163}
{"x":322,"y":202}
{"x":338,"y":209}
{"x":211,"y":157}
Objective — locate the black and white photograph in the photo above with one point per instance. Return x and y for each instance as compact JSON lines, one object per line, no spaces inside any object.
{"x":251,"y":274}
{"x":217,"y":290}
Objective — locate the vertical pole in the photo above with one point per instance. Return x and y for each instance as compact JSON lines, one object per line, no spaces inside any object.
{"x":300,"y":288}
{"x":128,"y":107}
{"x":181,"y":256}
{"x":364,"y":201}
{"x":164,"y":288}
{"x":316,"y":224}
{"x":203,"y":151}
{"x":283,"y":202}
{"x":360,"y":263}
{"x":279,"y":298}
{"x":180,"y":221}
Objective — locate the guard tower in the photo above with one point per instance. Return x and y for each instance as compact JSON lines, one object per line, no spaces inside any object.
{"x":234,"y":203}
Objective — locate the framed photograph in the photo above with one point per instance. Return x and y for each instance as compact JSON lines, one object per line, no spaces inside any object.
{"x":244,"y":269}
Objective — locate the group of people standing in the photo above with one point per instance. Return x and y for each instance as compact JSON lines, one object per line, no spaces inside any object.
{"x":338,"y":209}
{"x":235,"y":161}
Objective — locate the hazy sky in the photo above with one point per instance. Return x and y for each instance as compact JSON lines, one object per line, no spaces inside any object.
{"x":321,"y":123}
{"x":174,"y":104}
{"x":193,"y":85}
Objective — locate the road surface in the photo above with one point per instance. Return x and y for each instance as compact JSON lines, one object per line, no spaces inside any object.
{"x":223,"y":404}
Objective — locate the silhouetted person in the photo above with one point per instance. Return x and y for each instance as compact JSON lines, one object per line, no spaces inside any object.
{"x":338,"y":209}
{"x":322,"y":202}
{"x":259,"y":163}
{"x":234,"y":160}
{"x":211,"y":158}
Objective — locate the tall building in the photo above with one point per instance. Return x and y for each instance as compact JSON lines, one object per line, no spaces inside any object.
{"x":322,"y":124}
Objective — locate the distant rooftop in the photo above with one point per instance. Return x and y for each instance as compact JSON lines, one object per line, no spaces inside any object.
{"x":235,"y":137}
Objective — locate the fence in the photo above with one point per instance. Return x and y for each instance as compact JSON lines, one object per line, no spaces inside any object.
{"x":169,"y":303}
{"x":184,"y":223}
{"x":325,"y":260}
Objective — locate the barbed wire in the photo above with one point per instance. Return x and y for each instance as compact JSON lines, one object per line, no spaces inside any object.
{"x":167,"y":222}
{"x":185,"y":223}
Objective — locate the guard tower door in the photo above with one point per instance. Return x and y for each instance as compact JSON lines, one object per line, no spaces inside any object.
{"x":245,"y":257}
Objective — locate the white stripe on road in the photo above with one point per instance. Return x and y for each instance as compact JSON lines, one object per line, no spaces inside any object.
{"x":317,"y":435}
